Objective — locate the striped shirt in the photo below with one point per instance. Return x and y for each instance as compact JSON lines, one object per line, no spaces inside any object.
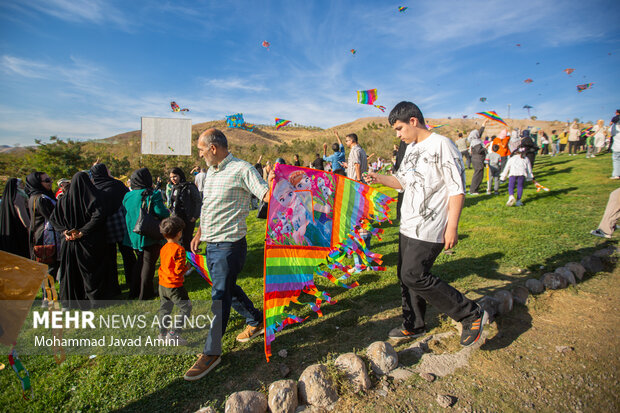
{"x":227,"y":191}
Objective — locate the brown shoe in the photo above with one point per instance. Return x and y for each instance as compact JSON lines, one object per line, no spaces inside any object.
{"x":201,"y":367}
{"x":250,"y":332}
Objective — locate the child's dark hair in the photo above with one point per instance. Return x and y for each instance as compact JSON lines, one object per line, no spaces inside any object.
{"x":171,"y":226}
{"x":335,"y":147}
{"x":460,"y":134}
{"x":404,"y":111}
{"x":495,"y":148}
{"x":553,"y":132}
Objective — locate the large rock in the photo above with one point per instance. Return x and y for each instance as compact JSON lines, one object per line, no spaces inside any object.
{"x":535,"y":286}
{"x":490,"y":305}
{"x":567,"y":274}
{"x":283,"y":396}
{"x":577,"y":269}
{"x":246,"y":402}
{"x":355,"y":370}
{"x":309,"y":409}
{"x":553,"y":281}
{"x":382,"y":357}
{"x":605,"y":253}
{"x":400,"y":374}
{"x":520,"y":294}
{"x":505,"y":299}
{"x":316,"y":388}
{"x":592,"y":264}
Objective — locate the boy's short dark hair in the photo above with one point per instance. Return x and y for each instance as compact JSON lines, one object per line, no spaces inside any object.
{"x":404,"y":111}
{"x":171,"y":226}
{"x":351,"y":136}
{"x":460,"y":134}
{"x":335,"y":147}
{"x":495,"y":147}
{"x":553,"y":131}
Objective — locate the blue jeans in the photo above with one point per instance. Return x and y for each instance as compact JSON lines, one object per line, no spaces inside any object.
{"x":225,"y":261}
{"x":356,"y":258}
{"x":616,"y":164}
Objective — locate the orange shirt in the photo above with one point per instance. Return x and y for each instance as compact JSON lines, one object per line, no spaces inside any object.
{"x":173,"y":265}
{"x":503,"y":146}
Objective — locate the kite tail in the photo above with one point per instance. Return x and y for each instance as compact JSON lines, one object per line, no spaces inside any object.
{"x":380,"y":107}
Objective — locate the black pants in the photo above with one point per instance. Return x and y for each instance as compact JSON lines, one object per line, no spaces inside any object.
{"x":168,"y":298}
{"x":466,"y":158}
{"x":340,"y":172}
{"x":188,"y":234}
{"x":129,"y":261}
{"x":418,"y":285}
{"x":476,"y":179}
{"x":572,"y":146}
{"x":143,"y":273}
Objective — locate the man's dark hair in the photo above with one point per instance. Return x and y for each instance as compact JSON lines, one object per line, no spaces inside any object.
{"x":171,"y":226}
{"x":317,"y":155}
{"x":553,"y":131}
{"x":404,"y":111}
{"x":335,"y":147}
{"x":353,"y":137}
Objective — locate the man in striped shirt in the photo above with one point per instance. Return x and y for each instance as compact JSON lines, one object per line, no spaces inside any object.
{"x":228,"y":188}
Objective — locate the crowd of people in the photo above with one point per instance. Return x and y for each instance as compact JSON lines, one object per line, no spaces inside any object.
{"x":78,"y":230}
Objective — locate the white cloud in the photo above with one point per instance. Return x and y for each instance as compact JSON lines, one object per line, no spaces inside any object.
{"x":233,"y":84}
{"x":92,"y":11}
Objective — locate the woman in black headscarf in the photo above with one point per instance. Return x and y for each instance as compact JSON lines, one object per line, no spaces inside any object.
{"x":80,"y":217}
{"x":112,"y":191}
{"x":185,"y":203}
{"x":14,"y":220}
{"x":41,"y":204}
{"x":529,"y":146}
{"x":146,"y":248}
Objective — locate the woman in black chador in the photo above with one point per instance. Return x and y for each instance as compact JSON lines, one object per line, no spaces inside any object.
{"x":80,"y":218}
{"x":14,"y":220}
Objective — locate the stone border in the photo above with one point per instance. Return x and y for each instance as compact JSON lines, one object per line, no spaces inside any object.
{"x":316,"y":392}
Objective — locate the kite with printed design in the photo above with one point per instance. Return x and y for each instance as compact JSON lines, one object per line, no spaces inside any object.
{"x":176,"y":108}
{"x":313,"y":224}
{"x":581,"y":88}
{"x":528,"y":80}
{"x":569,"y":71}
{"x":236,"y":121}
{"x":266,"y":44}
{"x":368,"y":97}
{"x":280,"y":123}
{"x":493,"y":116}
{"x":401,"y":9}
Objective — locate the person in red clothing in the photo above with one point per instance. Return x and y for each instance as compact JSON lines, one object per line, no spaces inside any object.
{"x":171,"y":275}
{"x":503,"y":151}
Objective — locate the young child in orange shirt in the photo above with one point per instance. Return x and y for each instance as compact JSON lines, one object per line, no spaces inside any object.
{"x":171,"y":275}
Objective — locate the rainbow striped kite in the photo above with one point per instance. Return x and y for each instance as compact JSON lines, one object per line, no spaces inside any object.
{"x":280,"y":123}
{"x":429,"y":126}
{"x":313,"y":224}
{"x":493,"y":116}
{"x":368,"y":97}
{"x":402,"y":8}
{"x":581,"y":88}
{"x":199,"y":262}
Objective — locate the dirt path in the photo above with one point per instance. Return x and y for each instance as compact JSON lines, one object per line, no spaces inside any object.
{"x":560,"y":353}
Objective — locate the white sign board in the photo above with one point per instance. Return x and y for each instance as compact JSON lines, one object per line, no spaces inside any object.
{"x":161,"y":136}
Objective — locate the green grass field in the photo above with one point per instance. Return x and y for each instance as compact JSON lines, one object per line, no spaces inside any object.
{"x":499,"y":247}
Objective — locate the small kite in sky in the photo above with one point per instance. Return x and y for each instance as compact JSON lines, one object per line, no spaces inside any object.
{"x":537,"y":63}
{"x":176,"y":108}
{"x":368,"y":97}
{"x":518,"y":44}
{"x":528,"y":80}
{"x":528,"y":107}
{"x":280,"y":123}
{"x":266,"y":44}
{"x":353,"y":51}
{"x":581,"y":88}
{"x":493,"y":116}
{"x":402,"y":9}
{"x":483,"y":99}
{"x":464,"y":116}
{"x":569,"y":71}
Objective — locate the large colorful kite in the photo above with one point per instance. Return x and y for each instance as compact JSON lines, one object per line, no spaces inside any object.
{"x":581,"y":88}
{"x":280,"y":123}
{"x":236,"y":121}
{"x":313,"y":224}
{"x":429,"y":126}
{"x":569,"y":71}
{"x":368,"y":97}
{"x":199,"y":262}
{"x":176,"y":108}
{"x":493,"y":116}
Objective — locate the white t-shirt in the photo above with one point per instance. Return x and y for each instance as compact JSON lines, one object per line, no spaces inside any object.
{"x":199,"y":180}
{"x":431,"y":172}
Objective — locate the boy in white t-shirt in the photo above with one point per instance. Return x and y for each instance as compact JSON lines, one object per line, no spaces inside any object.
{"x":432,"y":176}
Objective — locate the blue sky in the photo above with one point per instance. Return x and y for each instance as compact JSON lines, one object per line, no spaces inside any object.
{"x":92,"y":68}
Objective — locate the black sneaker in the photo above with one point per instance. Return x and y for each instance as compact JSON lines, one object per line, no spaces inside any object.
{"x":401,"y":332}
{"x":473,"y":330}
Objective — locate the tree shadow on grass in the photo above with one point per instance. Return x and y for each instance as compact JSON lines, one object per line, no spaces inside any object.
{"x":552,"y":192}
{"x":553,"y":171}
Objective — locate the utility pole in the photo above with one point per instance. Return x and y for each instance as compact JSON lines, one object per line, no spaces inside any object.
{"x":508,"y":111}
